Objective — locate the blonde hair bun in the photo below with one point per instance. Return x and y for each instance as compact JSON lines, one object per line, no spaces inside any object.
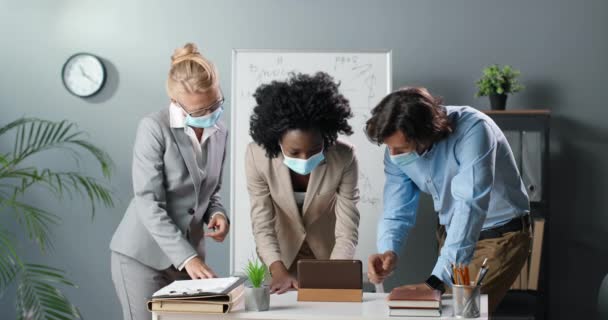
{"x":189,"y":50}
{"x":190,"y":72}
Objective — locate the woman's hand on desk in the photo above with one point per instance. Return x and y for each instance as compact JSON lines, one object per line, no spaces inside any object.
{"x":219,"y":225}
{"x":197,"y":269}
{"x":282,"y":281}
{"x":380,"y":266}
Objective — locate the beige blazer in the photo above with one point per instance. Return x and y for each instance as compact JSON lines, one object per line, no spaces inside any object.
{"x":330,"y":219}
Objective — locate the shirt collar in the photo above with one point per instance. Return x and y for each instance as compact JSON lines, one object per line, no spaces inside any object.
{"x":428,"y":152}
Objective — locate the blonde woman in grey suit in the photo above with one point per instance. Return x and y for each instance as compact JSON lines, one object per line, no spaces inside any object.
{"x":178,"y":159}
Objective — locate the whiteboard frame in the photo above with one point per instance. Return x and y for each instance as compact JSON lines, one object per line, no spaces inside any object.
{"x":233,"y":97}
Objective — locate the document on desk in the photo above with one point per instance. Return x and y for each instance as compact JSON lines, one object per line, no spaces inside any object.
{"x":213,"y":296}
{"x":199,"y":288}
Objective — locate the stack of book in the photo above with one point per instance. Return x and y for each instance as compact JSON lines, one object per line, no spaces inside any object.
{"x":207,"y":296}
{"x":405,"y":302}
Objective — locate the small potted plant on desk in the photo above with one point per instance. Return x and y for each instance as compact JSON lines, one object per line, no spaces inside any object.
{"x":257,"y":297}
{"x":497,"y":83}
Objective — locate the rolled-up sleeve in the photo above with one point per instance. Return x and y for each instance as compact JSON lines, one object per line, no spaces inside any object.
{"x":401,"y":198}
{"x":471,"y":189}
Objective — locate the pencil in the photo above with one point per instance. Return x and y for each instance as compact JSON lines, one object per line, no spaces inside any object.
{"x":479,"y":274}
{"x":449,"y":274}
{"x":483,"y":275}
{"x":460,"y":274}
{"x":483,"y":266}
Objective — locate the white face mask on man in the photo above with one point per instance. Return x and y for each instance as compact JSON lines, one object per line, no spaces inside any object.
{"x":406,"y":158}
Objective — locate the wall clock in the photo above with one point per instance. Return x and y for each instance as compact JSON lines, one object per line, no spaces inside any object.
{"x":83,"y":74}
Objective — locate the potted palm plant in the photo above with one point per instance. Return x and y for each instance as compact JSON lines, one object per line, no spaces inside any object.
{"x":38,"y":294}
{"x":497,"y":83}
{"x":257,"y":297}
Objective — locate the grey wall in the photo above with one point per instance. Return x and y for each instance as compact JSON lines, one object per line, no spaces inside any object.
{"x":560,"y":46}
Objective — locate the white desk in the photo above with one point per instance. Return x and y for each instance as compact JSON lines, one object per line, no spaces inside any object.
{"x":287,"y":307}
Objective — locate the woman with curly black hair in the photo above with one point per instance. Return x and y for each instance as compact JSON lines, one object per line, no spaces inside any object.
{"x":302,"y":181}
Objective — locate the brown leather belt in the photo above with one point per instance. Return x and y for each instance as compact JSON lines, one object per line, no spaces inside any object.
{"x":516,"y":224}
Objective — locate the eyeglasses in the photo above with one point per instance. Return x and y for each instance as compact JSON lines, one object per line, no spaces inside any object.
{"x":204,"y":111}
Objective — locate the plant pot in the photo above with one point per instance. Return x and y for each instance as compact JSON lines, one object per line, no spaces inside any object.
{"x":257,"y":299}
{"x":498,"y":101}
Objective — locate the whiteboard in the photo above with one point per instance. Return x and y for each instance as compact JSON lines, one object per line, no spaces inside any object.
{"x":365,"y":78}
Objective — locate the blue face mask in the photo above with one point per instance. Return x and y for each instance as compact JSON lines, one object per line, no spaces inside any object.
{"x":404,"y":159}
{"x":206,"y":121}
{"x":301,"y":166}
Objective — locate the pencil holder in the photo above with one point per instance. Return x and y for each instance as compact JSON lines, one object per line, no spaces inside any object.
{"x":466,"y":301}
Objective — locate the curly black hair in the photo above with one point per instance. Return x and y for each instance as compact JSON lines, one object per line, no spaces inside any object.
{"x":301,"y":102}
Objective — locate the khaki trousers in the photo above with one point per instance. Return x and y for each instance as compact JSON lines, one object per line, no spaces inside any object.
{"x":506,"y":257}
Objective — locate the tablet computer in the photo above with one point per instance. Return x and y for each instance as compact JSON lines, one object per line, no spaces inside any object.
{"x":330,"y":274}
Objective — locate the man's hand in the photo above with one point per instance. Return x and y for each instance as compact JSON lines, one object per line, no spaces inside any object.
{"x":282,"y":281}
{"x":197,"y":269}
{"x":219,"y":225}
{"x":380,"y":266}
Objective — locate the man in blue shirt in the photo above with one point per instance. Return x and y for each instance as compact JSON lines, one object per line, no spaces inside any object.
{"x":462,"y":159}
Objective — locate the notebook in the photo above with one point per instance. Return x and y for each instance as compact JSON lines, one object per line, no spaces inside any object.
{"x":414,"y":298}
{"x":407,"y":312}
{"x":196,"y":305}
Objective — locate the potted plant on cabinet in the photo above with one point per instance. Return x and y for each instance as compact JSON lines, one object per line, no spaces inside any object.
{"x":497,"y":83}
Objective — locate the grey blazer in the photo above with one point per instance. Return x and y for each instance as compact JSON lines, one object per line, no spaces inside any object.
{"x":169,"y":191}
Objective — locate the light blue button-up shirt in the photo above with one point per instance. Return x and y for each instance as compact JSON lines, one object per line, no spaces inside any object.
{"x":473,"y":180}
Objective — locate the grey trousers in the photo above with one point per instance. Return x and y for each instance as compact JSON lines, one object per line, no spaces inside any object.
{"x":135,"y":283}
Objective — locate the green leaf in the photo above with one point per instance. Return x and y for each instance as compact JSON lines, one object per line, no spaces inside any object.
{"x":17,"y":123}
{"x":71,"y":183}
{"x":38,"y":296}
{"x":9,"y":260}
{"x":44,"y":135}
{"x":256,"y":272}
{"x":35,"y":136}
{"x":498,"y":80}
{"x":3,"y":161}
{"x":36,"y":221}
{"x":102,"y":157}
